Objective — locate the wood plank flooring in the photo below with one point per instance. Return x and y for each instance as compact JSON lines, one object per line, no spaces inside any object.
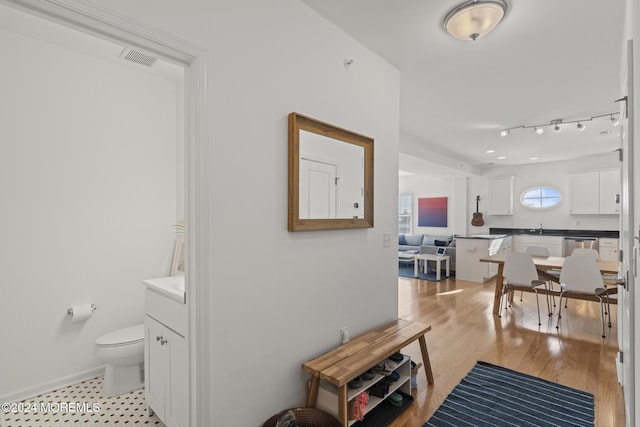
{"x":464,"y":330}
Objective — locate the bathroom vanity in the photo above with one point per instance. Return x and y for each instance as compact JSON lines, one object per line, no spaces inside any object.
{"x":166,"y":356}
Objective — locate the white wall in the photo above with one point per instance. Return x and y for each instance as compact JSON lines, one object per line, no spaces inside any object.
{"x":462,"y":194}
{"x":432,"y":186}
{"x":88,"y":184}
{"x":280,"y":298}
{"x":553,"y":174}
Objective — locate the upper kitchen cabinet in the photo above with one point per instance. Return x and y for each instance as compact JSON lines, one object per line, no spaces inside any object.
{"x":594,"y":193}
{"x":610,"y":192}
{"x":501,"y":196}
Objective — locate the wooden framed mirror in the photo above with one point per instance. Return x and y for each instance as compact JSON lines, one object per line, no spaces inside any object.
{"x":330,"y":176}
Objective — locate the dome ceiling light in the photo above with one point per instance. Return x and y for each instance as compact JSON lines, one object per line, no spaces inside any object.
{"x":473,"y":19}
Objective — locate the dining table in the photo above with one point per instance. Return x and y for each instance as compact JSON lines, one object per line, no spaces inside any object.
{"x":544,"y":264}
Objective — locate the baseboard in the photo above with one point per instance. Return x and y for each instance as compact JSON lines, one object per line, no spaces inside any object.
{"x":46,"y":387}
{"x":619,"y":369}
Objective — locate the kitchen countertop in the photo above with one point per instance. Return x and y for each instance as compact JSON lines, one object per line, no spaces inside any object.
{"x":483,"y":236}
{"x":556,"y":232}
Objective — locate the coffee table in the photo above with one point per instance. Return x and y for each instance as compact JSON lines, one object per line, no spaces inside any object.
{"x":431,"y":257}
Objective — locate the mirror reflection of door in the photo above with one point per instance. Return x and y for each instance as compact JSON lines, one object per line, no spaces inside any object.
{"x":318,"y":180}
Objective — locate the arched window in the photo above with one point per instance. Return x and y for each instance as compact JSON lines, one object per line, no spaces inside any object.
{"x":540,"y":198}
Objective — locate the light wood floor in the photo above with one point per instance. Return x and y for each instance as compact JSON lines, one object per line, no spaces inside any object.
{"x":464,"y":330}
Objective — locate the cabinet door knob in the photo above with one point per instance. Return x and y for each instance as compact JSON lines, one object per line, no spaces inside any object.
{"x":158,"y":338}
{"x":163,"y":341}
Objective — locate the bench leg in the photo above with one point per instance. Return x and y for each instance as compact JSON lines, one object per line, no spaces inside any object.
{"x":342,"y":405}
{"x":312,"y":395}
{"x":425,"y":359}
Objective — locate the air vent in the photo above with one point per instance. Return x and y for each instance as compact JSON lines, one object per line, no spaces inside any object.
{"x":137,"y":57}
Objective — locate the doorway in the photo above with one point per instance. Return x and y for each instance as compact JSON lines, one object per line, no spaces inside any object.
{"x":94,"y":21}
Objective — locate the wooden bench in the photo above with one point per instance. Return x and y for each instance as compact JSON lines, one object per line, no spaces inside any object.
{"x":352,"y":359}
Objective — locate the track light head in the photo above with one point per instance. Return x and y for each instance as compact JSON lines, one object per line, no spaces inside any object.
{"x":557,"y":128}
{"x":581,"y":127}
{"x":615,"y":121}
{"x":504,"y":132}
{"x":538,"y":130}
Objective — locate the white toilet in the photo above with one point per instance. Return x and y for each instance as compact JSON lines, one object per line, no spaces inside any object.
{"x":123,"y":352}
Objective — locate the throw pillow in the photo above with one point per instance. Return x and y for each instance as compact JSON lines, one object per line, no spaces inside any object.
{"x":441,"y":243}
{"x":402,"y":240}
{"x":413,"y":239}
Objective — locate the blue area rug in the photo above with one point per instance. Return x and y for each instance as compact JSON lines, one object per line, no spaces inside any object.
{"x":405,"y":269}
{"x":495,"y":396}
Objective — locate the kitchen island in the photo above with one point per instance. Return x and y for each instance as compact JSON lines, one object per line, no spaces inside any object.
{"x":471,"y":249}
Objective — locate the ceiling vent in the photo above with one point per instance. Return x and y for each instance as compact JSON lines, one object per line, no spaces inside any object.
{"x":137,"y":57}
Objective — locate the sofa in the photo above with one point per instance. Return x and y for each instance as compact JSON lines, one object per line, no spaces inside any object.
{"x":428,"y":244}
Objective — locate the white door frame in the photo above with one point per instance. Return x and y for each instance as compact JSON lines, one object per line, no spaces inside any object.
{"x":307,"y":164}
{"x":103,"y":23}
{"x":630,"y":244}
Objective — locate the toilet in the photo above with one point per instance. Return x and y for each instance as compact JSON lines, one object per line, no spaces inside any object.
{"x":123,"y":352}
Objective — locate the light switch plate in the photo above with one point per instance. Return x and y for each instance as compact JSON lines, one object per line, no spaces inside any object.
{"x":387,"y":240}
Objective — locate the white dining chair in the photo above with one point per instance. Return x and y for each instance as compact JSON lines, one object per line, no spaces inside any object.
{"x":592,"y":253}
{"x":520,"y":273}
{"x":580,"y":275}
{"x":541,"y":251}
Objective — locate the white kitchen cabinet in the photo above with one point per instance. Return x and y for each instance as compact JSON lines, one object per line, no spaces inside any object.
{"x":553,"y":243}
{"x":584,"y":193}
{"x":608,"y":249}
{"x":594,"y":193}
{"x":501,"y":196}
{"x":469,"y":250}
{"x":166,"y":359}
{"x":610,"y":192}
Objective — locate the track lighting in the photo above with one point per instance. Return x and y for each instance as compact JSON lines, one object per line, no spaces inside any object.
{"x":559,"y":123}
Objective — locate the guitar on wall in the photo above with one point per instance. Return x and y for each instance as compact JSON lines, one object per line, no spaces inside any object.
{"x":477,"y":220}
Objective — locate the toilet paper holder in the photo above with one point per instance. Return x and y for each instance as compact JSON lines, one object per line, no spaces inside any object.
{"x":70,"y":310}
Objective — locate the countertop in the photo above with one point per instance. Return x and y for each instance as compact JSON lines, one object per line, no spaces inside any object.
{"x":484,"y":236}
{"x":556,"y":232}
{"x":171,"y":287}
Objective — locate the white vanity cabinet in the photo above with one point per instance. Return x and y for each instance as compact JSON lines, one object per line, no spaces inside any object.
{"x":166,"y":359}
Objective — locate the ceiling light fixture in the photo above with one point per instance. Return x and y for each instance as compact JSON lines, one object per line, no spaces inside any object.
{"x":473,"y":19}
{"x":559,"y":123}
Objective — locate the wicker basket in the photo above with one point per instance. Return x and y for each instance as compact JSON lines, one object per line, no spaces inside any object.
{"x":306,"y":417}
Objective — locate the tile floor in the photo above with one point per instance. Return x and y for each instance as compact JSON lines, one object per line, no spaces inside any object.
{"x":80,"y":404}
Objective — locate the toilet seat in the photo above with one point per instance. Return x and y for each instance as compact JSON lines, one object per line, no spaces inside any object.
{"x":122,"y":337}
